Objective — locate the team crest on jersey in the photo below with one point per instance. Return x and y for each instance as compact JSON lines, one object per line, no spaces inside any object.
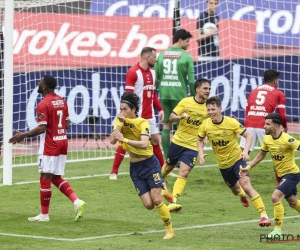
{"x":224,"y":133}
{"x":41,"y":116}
{"x":291,"y":140}
{"x":280,"y":149}
{"x":149,"y":94}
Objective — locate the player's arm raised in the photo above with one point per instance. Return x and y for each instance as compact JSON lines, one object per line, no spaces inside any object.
{"x":40,"y":129}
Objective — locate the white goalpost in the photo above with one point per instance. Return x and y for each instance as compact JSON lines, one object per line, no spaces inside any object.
{"x":89,"y":46}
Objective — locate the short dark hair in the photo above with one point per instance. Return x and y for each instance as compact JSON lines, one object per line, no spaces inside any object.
{"x":276,"y":118}
{"x":132,"y":100}
{"x":199,"y":83}
{"x":50,"y":81}
{"x":270,"y":75}
{"x":147,"y":50}
{"x":214,"y":100}
{"x":181,"y":34}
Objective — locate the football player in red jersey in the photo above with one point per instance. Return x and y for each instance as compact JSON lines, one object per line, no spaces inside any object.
{"x":53,"y":121}
{"x":140,"y":79}
{"x":262,"y":101}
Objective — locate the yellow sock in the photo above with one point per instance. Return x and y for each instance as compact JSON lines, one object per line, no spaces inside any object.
{"x":178,"y":187}
{"x":278,"y":214}
{"x":297,"y":207}
{"x":165,"y":215}
{"x":164,"y":173}
{"x":241,"y":193}
{"x":259,"y":205}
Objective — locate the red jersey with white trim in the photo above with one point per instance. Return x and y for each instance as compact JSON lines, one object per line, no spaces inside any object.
{"x":262,"y":101}
{"x":53,"y":112}
{"x":142,"y":82}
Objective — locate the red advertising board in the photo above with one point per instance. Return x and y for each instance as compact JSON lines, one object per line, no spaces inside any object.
{"x":68,"y":40}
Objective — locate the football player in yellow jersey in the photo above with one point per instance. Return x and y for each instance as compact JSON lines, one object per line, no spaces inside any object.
{"x":190,"y":111}
{"x":281,"y":147}
{"x":145,"y":170}
{"x":222,"y":132}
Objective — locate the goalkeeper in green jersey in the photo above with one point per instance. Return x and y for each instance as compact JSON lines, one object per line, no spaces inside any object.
{"x":174,"y":72}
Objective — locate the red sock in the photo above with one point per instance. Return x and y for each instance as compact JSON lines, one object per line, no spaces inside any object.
{"x":65,"y":188}
{"x":119,"y":156}
{"x":45,"y":195}
{"x":158,"y":153}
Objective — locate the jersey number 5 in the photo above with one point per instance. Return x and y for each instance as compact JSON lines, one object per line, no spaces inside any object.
{"x":60,"y":114}
{"x":170,"y":66}
{"x":261,"y":97}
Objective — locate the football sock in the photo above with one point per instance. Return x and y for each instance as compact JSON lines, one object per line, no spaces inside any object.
{"x":259,"y":205}
{"x":164,"y":173}
{"x":119,"y":156}
{"x":165,"y":215}
{"x":278,"y":214}
{"x":65,"y":188}
{"x":45,"y":195}
{"x":165,"y":137}
{"x":158,"y":153}
{"x":242,"y":192}
{"x":297,"y":207}
{"x":178,"y":187}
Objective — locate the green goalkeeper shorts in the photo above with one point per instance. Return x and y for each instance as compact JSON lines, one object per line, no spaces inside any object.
{"x":168,"y":106}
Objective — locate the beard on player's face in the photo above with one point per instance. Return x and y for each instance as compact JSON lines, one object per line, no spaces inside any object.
{"x":40,"y":90}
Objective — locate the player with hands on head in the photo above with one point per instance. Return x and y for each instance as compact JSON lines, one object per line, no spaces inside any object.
{"x":222,"y":131}
{"x":281,"y":147}
{"x":134,"y":133}
{"x":53,"y":121}
{"x":190,"y":112}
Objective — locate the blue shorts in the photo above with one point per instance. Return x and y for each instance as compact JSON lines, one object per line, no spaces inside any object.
{"x":232,"y":175}
{"x":178,"y":153}
{"x":288,"y":184}
{"x":146,"y":175}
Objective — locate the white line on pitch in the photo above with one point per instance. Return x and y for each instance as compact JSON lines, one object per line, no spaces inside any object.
{"x":134,"y":233}
{"x":104,"y":175}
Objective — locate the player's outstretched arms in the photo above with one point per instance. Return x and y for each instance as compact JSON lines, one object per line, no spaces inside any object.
{"x":40,"y":129}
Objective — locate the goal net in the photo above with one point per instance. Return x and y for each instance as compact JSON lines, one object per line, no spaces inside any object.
{"x":89,"y":45}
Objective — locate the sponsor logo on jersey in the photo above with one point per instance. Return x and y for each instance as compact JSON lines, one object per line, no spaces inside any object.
{"x":59,"y":138}
{"x":172,"y":54}
{"x":149,"y":87}
{"x":221,"y":143}
{"x":60,"y":131}
{"x":195,"y":122}
{"x":57,"y":102}
{"x":277,"y":157}
{"x":129,"y":125}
